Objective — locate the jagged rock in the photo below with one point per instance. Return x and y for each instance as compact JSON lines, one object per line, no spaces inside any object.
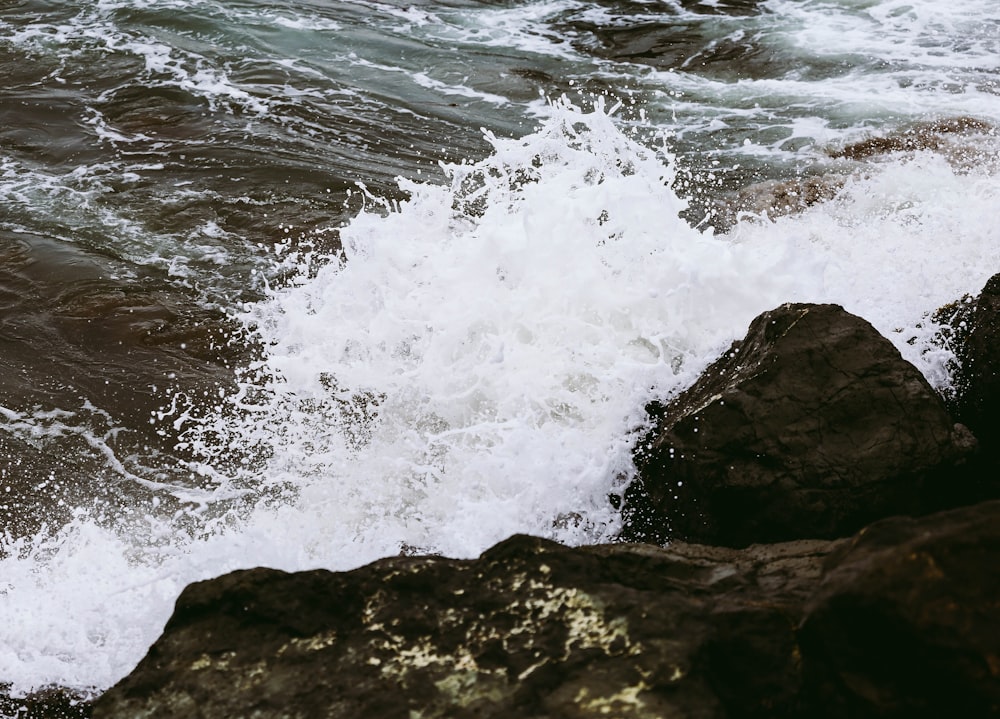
{"x":897,"y":622}
{"x":977,"y":378}
{"x":812,"y":426}
{"x":906,"y":621}
{"x":970,"y":327}
{"x":530,"y":629}
{"x":664,"y":43}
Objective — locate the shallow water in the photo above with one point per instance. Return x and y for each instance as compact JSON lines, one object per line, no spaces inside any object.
{"x":305,"y":285}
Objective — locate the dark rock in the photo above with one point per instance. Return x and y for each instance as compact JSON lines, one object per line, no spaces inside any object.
{"x":898,"y":622}
{"x":50,"y":703}
{"x":977,"y":346}
{"x":735,"y":8}
{"x":812,"y":426}
{"x":970,"y":327}
{"x":906,"y":621}
{"x":530,"y":629}
{"x":671,"y":43}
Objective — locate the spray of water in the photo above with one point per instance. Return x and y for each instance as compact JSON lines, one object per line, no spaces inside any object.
{"x":471,"y":364}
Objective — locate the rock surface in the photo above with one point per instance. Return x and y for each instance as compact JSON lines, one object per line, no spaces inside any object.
{"x":812,"y":426}
{"x":51,"y":703}
{"x":895,"y":622}
{"x":970,"y":327}
{"x":530,"y":629}
{"x":774,"y":198}
{"x":978,"y":351}
{"x":906,"y":621}
{"x":938,"y":135}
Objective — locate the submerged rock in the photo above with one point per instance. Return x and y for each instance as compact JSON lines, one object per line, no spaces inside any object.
{"x":772,"y":199}
{"x":937,"y":135}
{"x":812,"y":426}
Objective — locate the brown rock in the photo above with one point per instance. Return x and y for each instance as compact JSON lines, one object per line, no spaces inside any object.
{"x":774,"y":198}
{"x":921,"y":136}
{"x":530,"y":629}
{"x":898,"y":622}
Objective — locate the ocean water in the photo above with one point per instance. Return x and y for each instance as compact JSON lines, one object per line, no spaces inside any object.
{"x":304,"y":284}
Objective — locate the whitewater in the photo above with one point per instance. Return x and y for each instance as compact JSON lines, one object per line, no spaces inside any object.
{"x":465,"y":351}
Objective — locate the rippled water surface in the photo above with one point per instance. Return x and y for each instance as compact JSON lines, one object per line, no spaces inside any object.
{"x":308,"y":283}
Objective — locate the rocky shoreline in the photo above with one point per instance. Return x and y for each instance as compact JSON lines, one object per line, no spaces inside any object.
{"x":833,"y":543}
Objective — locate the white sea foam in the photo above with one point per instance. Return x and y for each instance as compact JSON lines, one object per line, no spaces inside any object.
{"x":474,"y":368}
{"x":460,"y":90}
{"x":94,"y":30}
{"x":825,"y":114}
{"x":964,"y":33}
{"x":524,"y":27}
{"x":75,"y":198}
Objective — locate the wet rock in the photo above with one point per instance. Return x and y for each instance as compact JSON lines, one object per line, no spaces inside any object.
{"x":977,"y":346}
{"x":672,"y":43}
{"x":530,"y":629}
{"x":50,"y":703}
{"x":774,"y":198}
{"x":812,"y":426}
{"x":672,"y":37}
{"x":905,"y":621}
{"x":970,"y":327}
{"x":896,"y":622}
{"x":735,"y":8}
{"x":939,"y":136}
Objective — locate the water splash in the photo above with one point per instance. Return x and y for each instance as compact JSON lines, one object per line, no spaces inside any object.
{"x":471,"y":365}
